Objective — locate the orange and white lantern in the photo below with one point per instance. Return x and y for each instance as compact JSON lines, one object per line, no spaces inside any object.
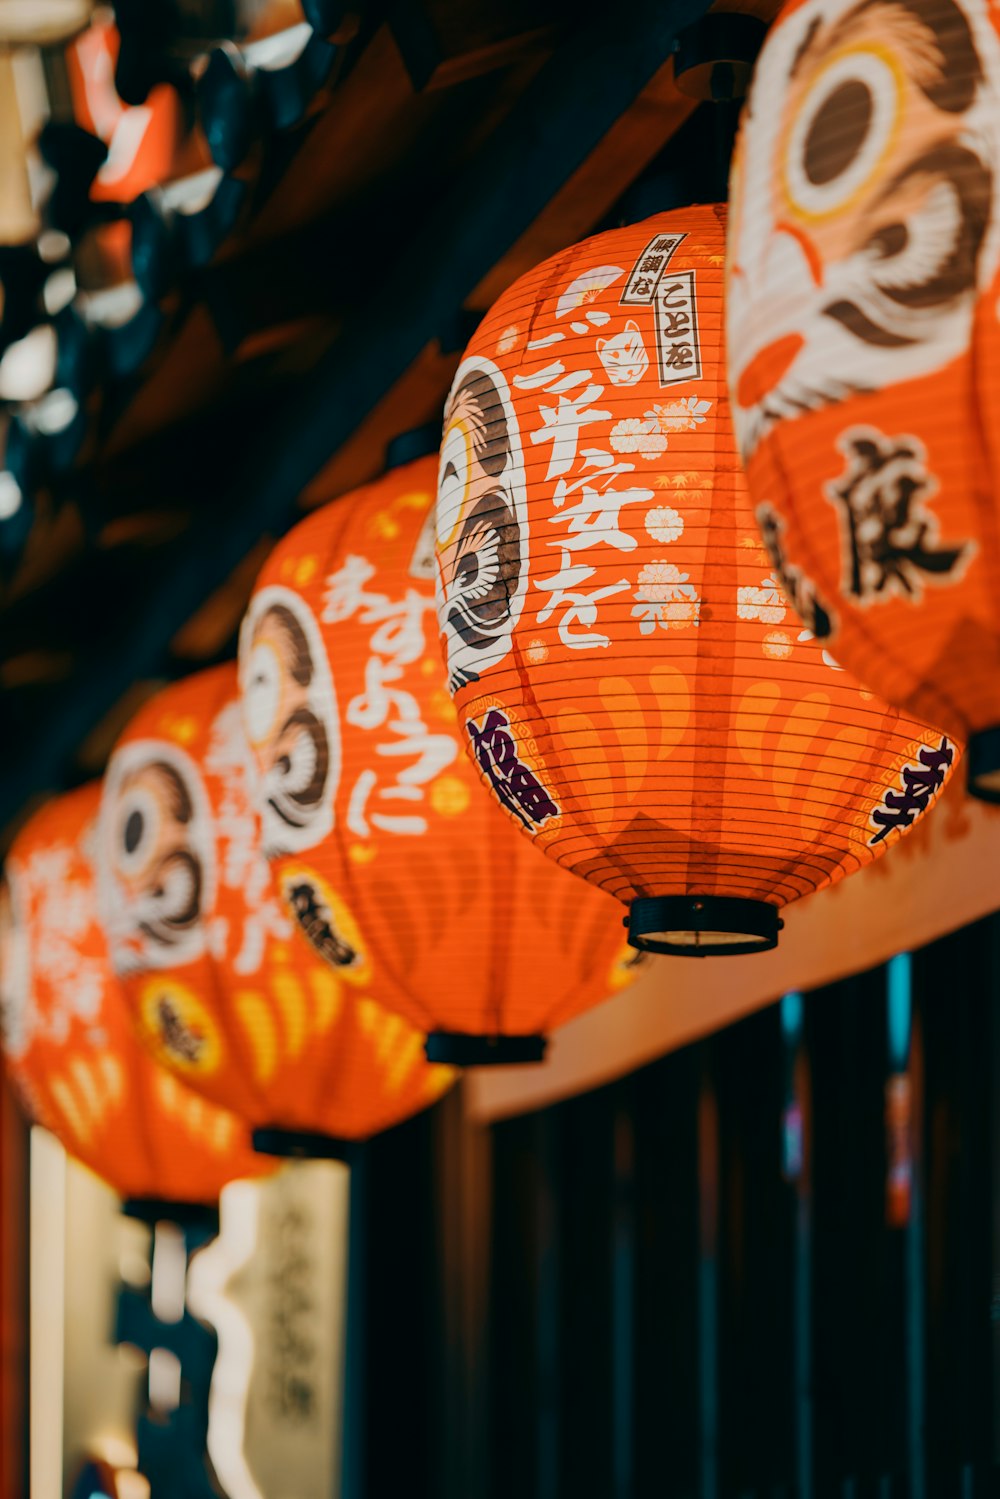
{"x":630,"y":681}
{"x":864,"y":345}
{"x":382,"y":841}
{"x":68,"y":1041}
{"x":225,"y":992}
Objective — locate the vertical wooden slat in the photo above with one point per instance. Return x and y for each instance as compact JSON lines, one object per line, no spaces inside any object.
{"x":623,"y":1304}
{"x":666,"y":1396}
{"x":13,"y":1296}
{"x":708,"y":1281}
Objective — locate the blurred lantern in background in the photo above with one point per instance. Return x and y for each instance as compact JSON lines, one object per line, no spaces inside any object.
{"x":224,"y":990}
{"x":864,"y":346}
{"x":629,"y":678}
{"x":385,"y":848}
{"x":68,"y":1040}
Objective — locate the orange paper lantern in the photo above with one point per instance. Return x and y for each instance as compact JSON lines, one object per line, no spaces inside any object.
{"x":225,"y":992}
{"x":633,"y":686}
{"x":863,"y":345}
{"x":383,"y":843}
{"x":68,"y":1040}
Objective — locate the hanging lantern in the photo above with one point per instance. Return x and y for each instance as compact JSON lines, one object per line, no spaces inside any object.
{"x":224,"y":990}
{"x":863,"y":339}
{"x":68,"y":1040}
{"x":630,"y":680}
{"x":379,"y":834}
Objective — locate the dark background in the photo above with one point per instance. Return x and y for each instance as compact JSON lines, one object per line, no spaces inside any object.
{"x":650,"y":1292}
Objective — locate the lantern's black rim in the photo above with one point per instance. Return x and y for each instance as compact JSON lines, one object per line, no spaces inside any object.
{"x":702,"y":926}
{"x":153,"y":1209}
{"x":983,"y":760}
{"x":302,"y":1144}
{"x":460,"y":1049}
{"x":418,"y":442}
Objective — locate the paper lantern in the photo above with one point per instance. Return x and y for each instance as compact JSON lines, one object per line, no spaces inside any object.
{"x":68,"y":1040}
{"x":379,"y":832}
{"x":632,"y":685}
{"x":224,"y":990}
{"x":863,"y":346}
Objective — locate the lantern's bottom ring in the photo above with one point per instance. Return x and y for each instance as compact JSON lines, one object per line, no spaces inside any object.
{"x":459,"y":1049}
{"x":302,"y":1144}
{"x":983,"y":759}
{"x":153,"y":1209}
{"x":702,"y":926}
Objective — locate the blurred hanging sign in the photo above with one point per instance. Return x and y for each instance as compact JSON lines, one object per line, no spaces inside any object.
{"x":273,"y":1286}
{"x":943,"y":876}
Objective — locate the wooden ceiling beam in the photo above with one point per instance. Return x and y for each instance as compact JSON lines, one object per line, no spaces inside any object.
{"x":427,"y":275}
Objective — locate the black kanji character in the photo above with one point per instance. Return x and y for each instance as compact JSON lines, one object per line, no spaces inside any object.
{"x":920,"y":783}
{"x":317,"y":924}
{"x":892,"y":539}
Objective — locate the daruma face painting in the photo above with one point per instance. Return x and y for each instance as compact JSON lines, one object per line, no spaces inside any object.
{"x":291,"y":721}
{"x":69,"y":1045}
{"x":481,"y":546}
{"x":240,"y":1007}
{"x":865,"y":222}
{"x":158,"y":874}
{"x":649,"y":711}
{"x":862,"y":287}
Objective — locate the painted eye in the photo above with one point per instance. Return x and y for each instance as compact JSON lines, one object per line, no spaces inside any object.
{"x":478,"y":569}
{"x":262,"y":693}
{"x":913,"y":255}
{"x":453,"y":479}
{"x":138,"y":830}
{"x":841,"y":133}
{"x":304,"y":763}
{"x":178,"y":890}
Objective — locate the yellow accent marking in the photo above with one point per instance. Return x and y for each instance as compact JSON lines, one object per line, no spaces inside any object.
{"x":62,"y":1097}
{"x":113,"y":1076}
{"x":83,"y":1075}
{"x":328,"y":997}
{"x":291,"y":997}
{"x":407,"y":1057}
{"x":258,"y":1022}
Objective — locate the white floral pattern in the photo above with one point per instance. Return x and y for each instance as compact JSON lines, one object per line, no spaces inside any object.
{"x":665,"y":598}
{"x":765,"y":603}
{"x":631,"y":435}
{"x":680,"y":416}
{"x":664,"y":523}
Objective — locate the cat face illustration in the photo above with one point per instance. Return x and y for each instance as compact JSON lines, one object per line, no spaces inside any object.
{"x":156,"y":857}
{"x":290,"y":712}
{"x":624,"y":355}
{"x":864,"y":203}
{"x":481,"y":522}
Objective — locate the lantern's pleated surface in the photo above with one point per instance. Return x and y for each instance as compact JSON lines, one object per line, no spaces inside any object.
{"x":863,"y":339}
{"x":68,"y":1038}
{"x":224,"y":990}
{"x":633,"y":685}
{"x":380,"y":833}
